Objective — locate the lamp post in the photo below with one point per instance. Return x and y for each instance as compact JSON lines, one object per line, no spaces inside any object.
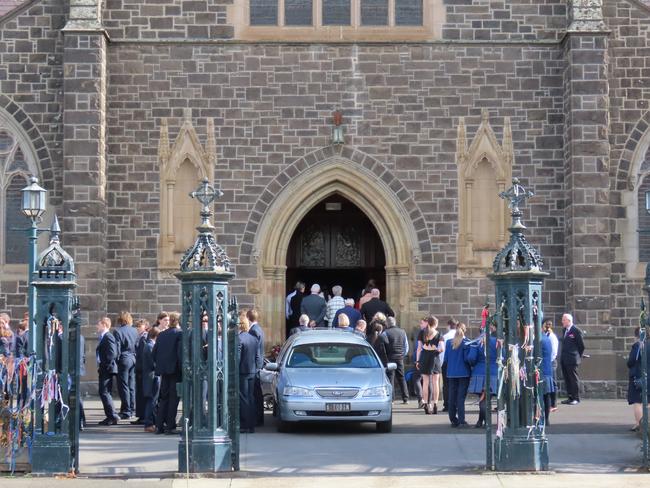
{"x":521,"y":443}
{"x":33,"y":207}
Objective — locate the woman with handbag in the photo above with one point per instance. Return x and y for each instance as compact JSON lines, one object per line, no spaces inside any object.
{"x":635,"y":382}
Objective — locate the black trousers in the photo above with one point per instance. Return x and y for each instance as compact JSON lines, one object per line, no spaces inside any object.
{"x":445,"y":387}
{"x":417,"y":386}
{"x":167,"y":403}
{"x":571,"y":380}
{"x":105,"y":387}
{"x":247,"y":410}
{"x":399,"y":373}
{"x":126,"y":384}
{"x":139,"y":397}
{"x":258,"y":398}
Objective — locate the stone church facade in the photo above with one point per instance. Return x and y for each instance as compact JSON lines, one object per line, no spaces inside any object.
{"x":120,"y":107}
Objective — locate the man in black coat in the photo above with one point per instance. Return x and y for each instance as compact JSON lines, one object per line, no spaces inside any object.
{"x":107,"y":354}
{"x":257,"y":332}
{"x":127,"y":338}
{"x":248,"y":354}
{"x":315,"y":306}
{"x":167,"y":360}
{"x":395,"y":352}
{"x":374,"y":305}
{"x":142,"y":328}
{"x":572,"y":349}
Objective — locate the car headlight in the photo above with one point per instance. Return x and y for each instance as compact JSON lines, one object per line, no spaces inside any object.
{"x":297,"y":391}
{"x":378,"y":391}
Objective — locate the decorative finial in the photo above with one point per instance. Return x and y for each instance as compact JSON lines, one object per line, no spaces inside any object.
{"x":517,"y":194}
{"x":206,"y":194}
{"x":55,"y":231}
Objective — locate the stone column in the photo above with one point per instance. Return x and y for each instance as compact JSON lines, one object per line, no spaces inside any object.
{"x":84,"y":175}
{"x":587,"y":212}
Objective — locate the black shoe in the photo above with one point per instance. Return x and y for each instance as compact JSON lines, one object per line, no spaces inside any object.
{"x":405,"y":401}
{"x":455,"y":424}
{"x":160,"y":432}
{"x":172,"y":432}
{"x":478,"y":424}
{"x":108,"y":421}
{"x":124,"y":416}
{"x":445,"y":409}
{"x":137,"y":422}
{"x":573,"y":402}
{"x":566,"y":402}
{"x":435,"y":408}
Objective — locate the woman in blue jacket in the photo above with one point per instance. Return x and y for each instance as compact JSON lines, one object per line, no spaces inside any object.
{"x":476,"y":358}
{"x":547,"y":379}
{"x":634,"y":364}
{"x":458,"y":373}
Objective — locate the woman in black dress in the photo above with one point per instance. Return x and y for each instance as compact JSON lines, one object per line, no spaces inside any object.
{"x":428,"y":362}
{"x":634,"y":385}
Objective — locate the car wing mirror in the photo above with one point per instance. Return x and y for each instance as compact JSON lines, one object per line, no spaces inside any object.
{"x":391,"y":366}
{"x":271,"y":366}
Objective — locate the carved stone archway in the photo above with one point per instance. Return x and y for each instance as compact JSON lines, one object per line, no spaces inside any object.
{"x":375,"y":198}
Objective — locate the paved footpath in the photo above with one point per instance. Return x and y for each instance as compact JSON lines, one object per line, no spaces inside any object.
{"x":589,"y":444}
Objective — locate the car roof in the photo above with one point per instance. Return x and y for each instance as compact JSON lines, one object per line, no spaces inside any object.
{"x":321,"y":336}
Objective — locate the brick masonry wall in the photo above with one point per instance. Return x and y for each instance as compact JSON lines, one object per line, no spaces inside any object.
{"x":31,"y":75}
{"x":272,"y":106}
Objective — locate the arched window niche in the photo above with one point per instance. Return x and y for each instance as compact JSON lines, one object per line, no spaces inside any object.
{"x":484,"y":170}
{"x":18,"y":162}
{"x":182,"y":167}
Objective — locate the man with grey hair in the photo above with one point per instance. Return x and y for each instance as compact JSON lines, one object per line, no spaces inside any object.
{"x":353,"y":314}
{"x":572,"y":349}
{"x":335,"y":304}
{"x":396,"y":349}
{"x":303,"y":320}
{"x":314,"y":306}
{"x":360,"y":328}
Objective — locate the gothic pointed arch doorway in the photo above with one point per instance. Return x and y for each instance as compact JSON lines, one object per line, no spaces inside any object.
{"x":336,"y":244}
{"x":372,"y":196}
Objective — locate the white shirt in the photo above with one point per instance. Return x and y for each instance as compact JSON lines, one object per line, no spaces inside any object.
{"x":287,"y":304}
{"x":554,"y":345}
{"x":449,"y":335}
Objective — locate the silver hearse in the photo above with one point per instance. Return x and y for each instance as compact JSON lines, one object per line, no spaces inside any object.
{"x":330,"y":375}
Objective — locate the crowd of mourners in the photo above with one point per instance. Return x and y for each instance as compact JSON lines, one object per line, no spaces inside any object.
{"x":450,"y":361}
{"x":145,"y":358}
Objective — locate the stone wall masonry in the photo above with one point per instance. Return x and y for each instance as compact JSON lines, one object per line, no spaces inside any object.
{"x":272,"y":105}
{"x":629,"y":120}
{"x":467,"y":20}
{"x":31,"y":78}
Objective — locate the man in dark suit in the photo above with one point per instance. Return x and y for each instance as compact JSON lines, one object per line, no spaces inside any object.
{"x":127,"y":338}
{"x":572,"y":349}
{"x":315,"y":306}
{"x":374,"y":305}
{"x":142,"y":328}
{"x":257,"y":332}
{"x":294,"y":305}
{"x":107,"y":354}
{"x":353,"y":314}
{"x":248,"y":353}
{"x":167,"y":360}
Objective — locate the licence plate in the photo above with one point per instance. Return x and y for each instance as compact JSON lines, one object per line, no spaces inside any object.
{"x":337,"y":407}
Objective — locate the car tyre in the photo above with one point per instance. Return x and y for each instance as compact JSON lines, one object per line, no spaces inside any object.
{"x":385,"y":427}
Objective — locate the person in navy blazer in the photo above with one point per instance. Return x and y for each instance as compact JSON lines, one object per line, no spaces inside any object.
{"x":127,"y":339}
{"x":248,"y":354}
{"x":167,"y":360}
{"x":570,"y":357}
{"x":547,"y":379}
{"x":458,"y":374}
{"x":257,"y":332}
{"x":107,"y":354}
{"x":142,"y":328}
{"x":476,"y":358}
{"x":150,"y":381}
